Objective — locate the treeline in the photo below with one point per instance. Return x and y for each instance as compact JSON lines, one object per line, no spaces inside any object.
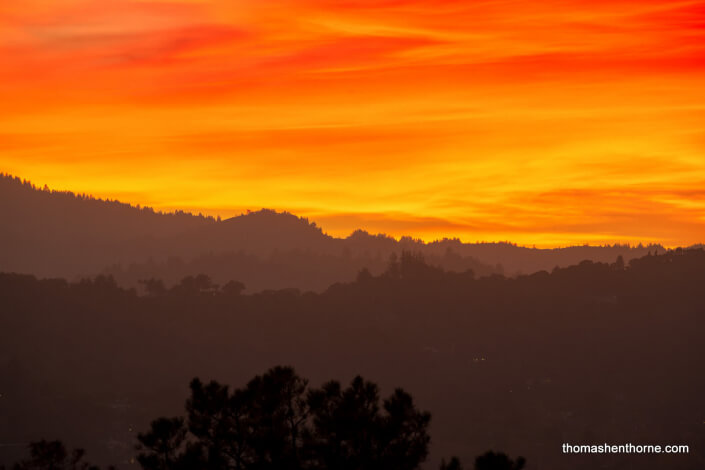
{"x":594,"y":352}
{"x":27,"y":187}
{"x":278,"y":422}
{"x":62,"y":234}
{"x":303,"y":270}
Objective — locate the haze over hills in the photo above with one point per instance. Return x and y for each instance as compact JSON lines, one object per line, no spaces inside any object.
{"x":61,"y":234}
{"x":588,"y":354}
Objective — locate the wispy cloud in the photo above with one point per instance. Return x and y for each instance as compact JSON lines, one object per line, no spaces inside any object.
{"x":542,"y":122}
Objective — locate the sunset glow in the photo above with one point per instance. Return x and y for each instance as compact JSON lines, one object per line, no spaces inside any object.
{"x":548,"y":123}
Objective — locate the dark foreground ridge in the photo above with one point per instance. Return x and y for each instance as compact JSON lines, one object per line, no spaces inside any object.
{"x":590,"y":353}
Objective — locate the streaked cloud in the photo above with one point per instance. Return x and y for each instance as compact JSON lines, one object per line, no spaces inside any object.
{"x":541,"y":122}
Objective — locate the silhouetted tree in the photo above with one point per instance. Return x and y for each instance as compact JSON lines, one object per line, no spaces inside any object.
{"x":498,"y":461}
{"x":393,"y":269}
{"x":277,"y":411}
{"x":404,"y":439}
{"x":619,"y":263}
{"x":52,"y":455}
{"x":364,"y":275}
{"x":217,"y":420}
{"x":276,"y":422}
{"x":454,"y":464}
{"x":164,"y":444}
{"x":199,"y":284}
{"x":413,"y":266}
{"x":233,"y":288}
{"x":346,"y":425}
{"x":153,"y":287}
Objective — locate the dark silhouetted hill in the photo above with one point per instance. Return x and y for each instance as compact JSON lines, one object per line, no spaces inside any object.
{"x":60,"y":234}
{"x":590,"y":353}
{"x":57,"y":233}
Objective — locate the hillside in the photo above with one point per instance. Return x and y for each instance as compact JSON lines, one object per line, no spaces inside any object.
{"x":61,"y":234}
{"x":590,"y":353}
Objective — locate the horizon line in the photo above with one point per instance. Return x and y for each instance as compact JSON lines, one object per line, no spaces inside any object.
{"x":218,"y":216}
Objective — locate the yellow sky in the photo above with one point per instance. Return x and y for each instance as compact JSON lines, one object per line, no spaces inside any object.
{"x":547,"y":123}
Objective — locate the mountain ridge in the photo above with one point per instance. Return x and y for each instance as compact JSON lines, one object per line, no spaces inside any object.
{"x":62,"y":234}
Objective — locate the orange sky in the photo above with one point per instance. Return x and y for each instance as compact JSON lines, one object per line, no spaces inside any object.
{"x":547,"y":123}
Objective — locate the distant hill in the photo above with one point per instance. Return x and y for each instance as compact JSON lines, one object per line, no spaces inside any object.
{"x":57,"y":233}
{"x":61,"y":234}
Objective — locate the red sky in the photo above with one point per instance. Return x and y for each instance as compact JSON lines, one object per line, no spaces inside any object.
{"x":547,"y":123}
